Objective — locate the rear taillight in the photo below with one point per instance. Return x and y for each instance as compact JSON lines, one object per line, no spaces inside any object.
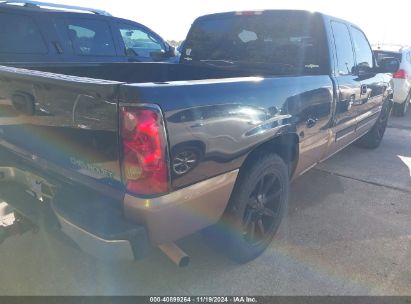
{"x":144,"y":159}
{"x":400,"y":74}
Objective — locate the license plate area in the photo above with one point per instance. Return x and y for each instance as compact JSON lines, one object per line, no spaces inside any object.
{"x":36,"y":186}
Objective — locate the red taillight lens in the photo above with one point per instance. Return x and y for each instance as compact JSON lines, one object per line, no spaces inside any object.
{"x":400,"y":74}
{"x":144,"y":162}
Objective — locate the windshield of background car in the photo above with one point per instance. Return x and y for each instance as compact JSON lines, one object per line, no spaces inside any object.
{"x":379,"y":55}
{"x":139,"y":40}
{"x":278,"y":42}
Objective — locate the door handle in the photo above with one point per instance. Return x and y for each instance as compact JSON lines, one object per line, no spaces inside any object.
{"x":364,"y":89}
{"x":311,"y":122}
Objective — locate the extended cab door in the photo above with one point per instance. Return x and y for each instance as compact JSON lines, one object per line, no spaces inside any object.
{"x":372,"y":84}
{"x":348,"y":87}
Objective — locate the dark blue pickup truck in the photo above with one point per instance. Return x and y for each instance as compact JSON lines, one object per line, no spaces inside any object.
{"x":122,"y":157}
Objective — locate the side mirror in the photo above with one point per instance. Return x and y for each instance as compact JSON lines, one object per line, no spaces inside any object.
{"x":389,"y":65}
{"x":363,"y":69}
{"x":171,"y":51}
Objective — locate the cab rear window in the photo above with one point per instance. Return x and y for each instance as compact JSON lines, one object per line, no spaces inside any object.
{"x":281,"y":42}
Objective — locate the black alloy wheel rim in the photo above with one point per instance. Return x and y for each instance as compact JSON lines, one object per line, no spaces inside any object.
{"x":382,"y":124}
{"x":263,"y":210}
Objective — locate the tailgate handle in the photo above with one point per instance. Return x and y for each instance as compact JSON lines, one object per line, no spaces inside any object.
{"x":311,"y":122}
{"x":364,"y":89}
{"x":24,"y":103}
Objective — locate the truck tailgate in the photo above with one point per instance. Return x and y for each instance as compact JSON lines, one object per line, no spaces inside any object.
{"x":65,"y":124}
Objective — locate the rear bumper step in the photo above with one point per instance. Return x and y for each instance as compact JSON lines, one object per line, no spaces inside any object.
{"x":96,"y":225}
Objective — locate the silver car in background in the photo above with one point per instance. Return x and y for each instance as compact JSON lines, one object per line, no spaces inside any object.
{"x":402,"y":78}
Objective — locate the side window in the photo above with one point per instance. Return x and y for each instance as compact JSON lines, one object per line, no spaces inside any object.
{"x":91,"y":37}
{"x":64,"y":41}
{"x":139,"y":42}
{"x":409,"y":57}
{"x":20,"y":35}
{"x":362,"y":48}
{"x":343,"y":45}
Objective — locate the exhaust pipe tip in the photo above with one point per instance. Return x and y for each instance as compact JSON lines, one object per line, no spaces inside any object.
{"x":175,"y":254}
{"x":184,"y":262}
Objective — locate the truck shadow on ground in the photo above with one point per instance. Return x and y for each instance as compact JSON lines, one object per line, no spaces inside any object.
{"x":156,"y":274}
{"x":325,"y":211}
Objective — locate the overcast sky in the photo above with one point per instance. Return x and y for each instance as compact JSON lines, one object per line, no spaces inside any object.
{"x":382,"y":21}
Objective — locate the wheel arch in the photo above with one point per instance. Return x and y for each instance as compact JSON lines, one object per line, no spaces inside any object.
{"x":285,"y":145}
{"x":191,"y":143}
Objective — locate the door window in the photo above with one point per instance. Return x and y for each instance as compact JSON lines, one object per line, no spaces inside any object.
{"x":343,"y":46}
{"x":20,"y":35}
{"x":362,"y":49}
{"x":91,"y":37}
{"x":139,"y":42}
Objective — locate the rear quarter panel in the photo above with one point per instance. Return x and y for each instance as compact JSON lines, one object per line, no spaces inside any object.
{"x":226,"y":119}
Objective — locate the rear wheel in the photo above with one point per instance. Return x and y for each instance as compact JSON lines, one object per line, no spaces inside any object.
{"x":3,"y":234}
{"x":401,"y":109}
{"x":373,"y":138}
{"x":256,"y":208}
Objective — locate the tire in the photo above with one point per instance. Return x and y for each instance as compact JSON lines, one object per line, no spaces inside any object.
{"x":373,"y":138}
{"x":3,"y":234}
{"x":401,"y":109}
{"x":255,"y":210}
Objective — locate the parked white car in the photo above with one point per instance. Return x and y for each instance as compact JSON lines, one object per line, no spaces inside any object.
{"x":402,"y":78}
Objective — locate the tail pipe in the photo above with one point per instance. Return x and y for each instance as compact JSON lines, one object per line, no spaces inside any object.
{"x":178,"y":256}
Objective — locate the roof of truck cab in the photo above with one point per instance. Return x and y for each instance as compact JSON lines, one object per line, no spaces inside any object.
{"x":271,"y":11}
{"x":250,"y":13}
